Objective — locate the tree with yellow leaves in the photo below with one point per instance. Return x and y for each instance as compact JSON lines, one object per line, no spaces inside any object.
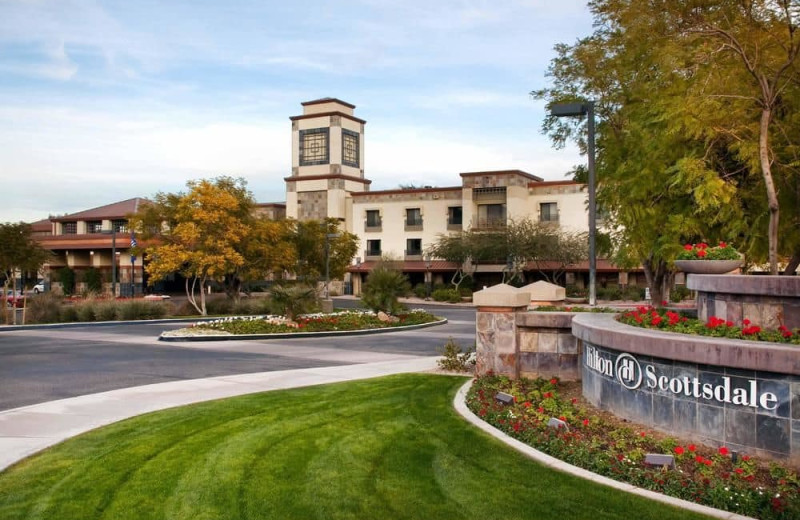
{"x":198,"y":234}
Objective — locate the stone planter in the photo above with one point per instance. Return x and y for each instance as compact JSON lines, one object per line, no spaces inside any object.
{"x":707,"y":266}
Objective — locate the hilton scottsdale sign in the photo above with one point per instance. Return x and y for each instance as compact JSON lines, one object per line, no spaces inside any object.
{"x":633,"y":375}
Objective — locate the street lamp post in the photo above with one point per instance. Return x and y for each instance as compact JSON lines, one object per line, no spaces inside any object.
{"x":428,"y":281}
{"x":587,"y":109}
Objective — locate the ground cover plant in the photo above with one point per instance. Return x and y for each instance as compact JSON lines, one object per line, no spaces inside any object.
{"x":384,"y":448}
{"x":597,"y":442}
{"x":348,"y":320}
{"x":662,"y":319}
{"x":572,"y":308}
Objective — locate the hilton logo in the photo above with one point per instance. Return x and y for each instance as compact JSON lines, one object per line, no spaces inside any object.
{"x":625,"y":369}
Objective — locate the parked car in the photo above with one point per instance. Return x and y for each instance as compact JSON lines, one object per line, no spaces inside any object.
{"x":39,"y":287}
{"x":15,"y":299}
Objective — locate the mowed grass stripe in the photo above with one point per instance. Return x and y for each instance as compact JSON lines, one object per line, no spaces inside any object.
{"x":382,"y":448}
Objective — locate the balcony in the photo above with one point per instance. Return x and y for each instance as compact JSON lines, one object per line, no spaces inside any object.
{"x":372,"y":226}
{"x":372,"y":254}
{"x":413,"y":254}
{"x":486,"y":224}
{"x":414,"y":224}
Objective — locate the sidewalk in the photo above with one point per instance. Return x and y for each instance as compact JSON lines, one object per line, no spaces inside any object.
{"x":27,"y":430}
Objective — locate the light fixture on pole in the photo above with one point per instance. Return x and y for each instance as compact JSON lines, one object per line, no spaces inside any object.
{"x":587,"y":109}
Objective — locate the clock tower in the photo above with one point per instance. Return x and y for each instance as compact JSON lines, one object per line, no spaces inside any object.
{"x":327,"y":160}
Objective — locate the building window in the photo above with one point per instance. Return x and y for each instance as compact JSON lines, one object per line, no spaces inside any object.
{"x":414,"y":247}
{"x":350,"y":151}
{"x":373,"y":248}
{"x":491,"y":216}
{"x":120,"y":226}
{"x":373,"y":221}
{"x":70,"y":228}
{"x":548,"y":212}
{"x":413,"y":217}
{"x":314,"y":147}
{"x":94,"y":226}
{"x":454,"y":216}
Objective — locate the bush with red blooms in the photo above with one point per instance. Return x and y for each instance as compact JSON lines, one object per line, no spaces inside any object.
{"x":716,"y":477}
{"x":662,"y":319}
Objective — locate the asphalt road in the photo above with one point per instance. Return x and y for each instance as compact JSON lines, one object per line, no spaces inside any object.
{"x":42,"y":365}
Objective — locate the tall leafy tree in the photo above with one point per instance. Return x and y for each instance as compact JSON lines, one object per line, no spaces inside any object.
{"x":197,"y":234}
{"x":309,"y":237}
{"x":19,"y":252}
{"x":659,"y":184}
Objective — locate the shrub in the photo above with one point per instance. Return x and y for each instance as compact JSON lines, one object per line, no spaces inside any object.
{"x":609,"y":293}
{"x":106,"y":311}
{"x":67,"y":278}
{"x":94,"y":280}
{"x":383,"y":287}
{"x":219,"y":305}
{"x":453,"y":358}
{"x":446,"y":295}
{"x":69,"y":312}
{"x":142,"y":310}
{"x":291,"y":300}
{"x":44,"y":308}
{"x":85,"y":311}
{"x":420,"y":291}
{"x":679,"y":293}
{"x":633,"y":293}
{"x":465,"y":292}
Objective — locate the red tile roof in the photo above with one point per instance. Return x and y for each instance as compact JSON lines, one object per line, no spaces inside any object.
{"x":110,"y":211}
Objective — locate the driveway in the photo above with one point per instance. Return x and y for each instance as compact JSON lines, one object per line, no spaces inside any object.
{"x":40,"y":365}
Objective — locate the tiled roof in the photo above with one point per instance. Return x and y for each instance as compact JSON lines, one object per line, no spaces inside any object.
{"x":408,"y":266}
{"x":110,"y":211}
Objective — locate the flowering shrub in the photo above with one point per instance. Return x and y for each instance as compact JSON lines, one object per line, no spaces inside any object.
{"x":652,"y":318}
{"x":319,"y":322}
{"x":713,"y":477}
{"x":701,"y":251}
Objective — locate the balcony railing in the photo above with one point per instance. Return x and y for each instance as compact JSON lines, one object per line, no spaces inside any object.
{"x":371,"y":254}
{"x":454,"y":226}
{"x":413,"y":254}
{"x":413,"y":224}
{"x":548,"y":219}
{"x":374,"y":225}
{"x":488,"y":223}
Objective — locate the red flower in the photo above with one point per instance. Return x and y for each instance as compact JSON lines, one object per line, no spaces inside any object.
{"x":574,"y":400}
{"x":702,"y":253}
{"x":554,"y":381}
{"x":540,"y":410}
{"x":691,"y":447}
{"x":663,"y":302}
{"x":562,"y":418}
{"x":723,"y":245}
{"x":738,"y":471}
{"x":688,"y":247}
{"x":547,"y":395}
{"x":679,"y":450}
{"x":526,"y":404}
{"x":702,"y":245}
{"x":723,"y":450}
{"x":745,"y":322}
{"x":729,"y":323}
{"x":642,"y":434}
{"x":745,"y":457}
{"x":699,"y":459}
{"x":586,"y":422}
{"x":708,"y":462}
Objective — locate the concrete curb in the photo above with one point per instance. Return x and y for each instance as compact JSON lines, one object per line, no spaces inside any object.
{"x":75,"y":324}
{"x":296,"y":335}
{"x":460,"y":404}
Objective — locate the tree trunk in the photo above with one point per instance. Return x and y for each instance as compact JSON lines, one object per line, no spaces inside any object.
{"x":655,"y":273}
{"x":791,"y":267}
{"x":769,"y":184}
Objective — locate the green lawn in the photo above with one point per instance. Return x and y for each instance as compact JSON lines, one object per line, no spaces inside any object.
{"x":378,"y":449}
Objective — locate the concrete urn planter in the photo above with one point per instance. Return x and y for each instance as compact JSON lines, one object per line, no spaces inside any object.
{"x":708,"y":266}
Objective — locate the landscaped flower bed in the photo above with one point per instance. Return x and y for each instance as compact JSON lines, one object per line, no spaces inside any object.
{"x":714,"y":477}
{"x":661,"y":319}
{"x":337,"y":321}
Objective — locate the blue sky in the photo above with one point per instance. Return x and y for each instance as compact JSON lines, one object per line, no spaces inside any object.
{"x":102,"y":101}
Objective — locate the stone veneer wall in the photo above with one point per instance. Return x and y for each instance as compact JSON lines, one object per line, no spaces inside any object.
{"x":519,"y":343}
{"x":754,"y":367}
{"x":767,"y":301}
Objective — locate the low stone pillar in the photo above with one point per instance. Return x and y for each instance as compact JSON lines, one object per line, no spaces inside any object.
{"x":496,"y":331}
{"x":545,"y":293}
{"x":547,"y":347}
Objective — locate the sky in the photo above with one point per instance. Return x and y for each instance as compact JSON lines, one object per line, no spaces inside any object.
{"x":102,"y":101}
